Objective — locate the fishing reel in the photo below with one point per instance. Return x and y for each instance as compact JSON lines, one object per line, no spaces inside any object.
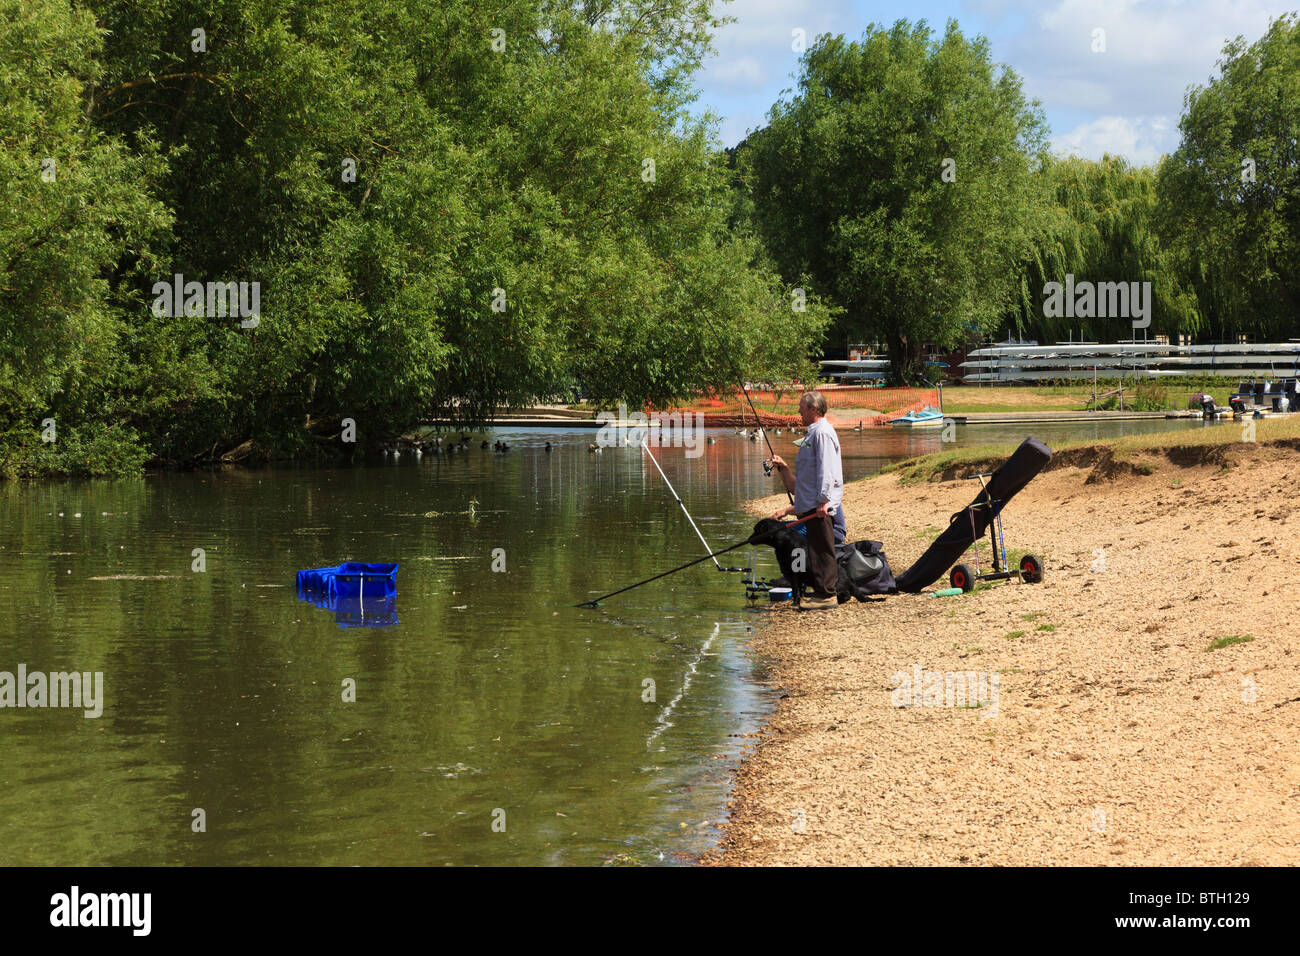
{"x":767,"y":468}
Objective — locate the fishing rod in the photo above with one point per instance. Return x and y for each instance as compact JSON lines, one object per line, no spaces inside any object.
{"x":763,"y":431}
{"x":752,"y":539}
{"x":683,"y":504}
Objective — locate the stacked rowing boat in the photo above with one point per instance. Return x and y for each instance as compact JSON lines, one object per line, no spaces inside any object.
{"x":1030,"y":363}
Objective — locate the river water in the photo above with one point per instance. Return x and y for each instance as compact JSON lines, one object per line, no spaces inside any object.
{"x":492,"y":722}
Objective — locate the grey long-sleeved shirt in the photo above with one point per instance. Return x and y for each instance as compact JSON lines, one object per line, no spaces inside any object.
{"x":818,"y":472}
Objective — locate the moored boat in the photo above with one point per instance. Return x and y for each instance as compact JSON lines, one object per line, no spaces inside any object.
{"x":928,"y":417}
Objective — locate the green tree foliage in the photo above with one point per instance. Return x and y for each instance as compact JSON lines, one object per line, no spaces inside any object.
{"x":1100,"y":224}
{"x":1231,"y":191}
{"x":849,"y":188}
{"x":76,"y":208}
{"x":531,"y":207}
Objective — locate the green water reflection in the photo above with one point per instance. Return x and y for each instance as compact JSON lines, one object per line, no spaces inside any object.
{"x":225,"y":693}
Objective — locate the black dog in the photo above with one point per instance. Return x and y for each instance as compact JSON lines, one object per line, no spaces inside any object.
{"x":786,"y":541}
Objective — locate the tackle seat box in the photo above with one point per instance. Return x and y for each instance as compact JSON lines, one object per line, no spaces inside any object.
{"x":356,"y":578}
{"x":351,"y":579}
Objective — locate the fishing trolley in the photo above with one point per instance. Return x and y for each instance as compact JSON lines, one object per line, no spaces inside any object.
{"x":963,"y":576}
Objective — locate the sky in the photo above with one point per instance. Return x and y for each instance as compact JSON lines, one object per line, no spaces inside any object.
{"x":1125,"y":100}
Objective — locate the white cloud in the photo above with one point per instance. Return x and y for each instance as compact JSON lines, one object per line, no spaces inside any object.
{"x":755,"y":58}
{"x":1141,"y":140}
{"x":1154,"y":49}
{"x":743,"y":71}
{"x":771,"y":22}
{"x":755,"y":55}
{"x":1125,"y":100}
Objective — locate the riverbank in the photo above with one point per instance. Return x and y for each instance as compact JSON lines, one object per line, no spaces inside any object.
{"x":1147,"y":701}
{"x":1150,"y":395}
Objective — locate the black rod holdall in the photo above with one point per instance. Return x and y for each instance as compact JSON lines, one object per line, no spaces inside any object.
{"x":968,"y":525}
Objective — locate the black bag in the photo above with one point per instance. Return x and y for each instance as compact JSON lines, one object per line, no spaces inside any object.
{"x":863,"y":571}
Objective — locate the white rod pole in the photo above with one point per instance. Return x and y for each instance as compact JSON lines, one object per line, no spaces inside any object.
{"x":679,"y":501}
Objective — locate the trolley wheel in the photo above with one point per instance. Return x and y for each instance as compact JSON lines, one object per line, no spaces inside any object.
{"x":1031,"y":569}
{"x":962,"y":576}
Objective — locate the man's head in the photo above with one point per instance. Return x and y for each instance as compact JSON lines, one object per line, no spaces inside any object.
{"x":812,"y":407}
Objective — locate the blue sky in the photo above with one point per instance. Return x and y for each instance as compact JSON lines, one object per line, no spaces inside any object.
{"x":1126,"y":100}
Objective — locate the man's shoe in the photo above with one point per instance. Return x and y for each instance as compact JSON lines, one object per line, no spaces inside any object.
{"x":818,"y":604}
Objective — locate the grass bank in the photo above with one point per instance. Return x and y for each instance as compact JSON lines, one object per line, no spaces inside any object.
{"x":1077,"y":396}
{"x":1216,"y":444}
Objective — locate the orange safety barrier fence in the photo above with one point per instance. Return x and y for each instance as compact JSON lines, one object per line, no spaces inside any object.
{"x":846,"y":406}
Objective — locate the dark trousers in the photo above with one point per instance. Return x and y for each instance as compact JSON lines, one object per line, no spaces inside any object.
{"x":822,"y":567}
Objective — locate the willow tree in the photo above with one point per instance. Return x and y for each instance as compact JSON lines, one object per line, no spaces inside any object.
{"x":1232,"y":188}
{"x":1101,"y":226}
{"x":900,"y":179}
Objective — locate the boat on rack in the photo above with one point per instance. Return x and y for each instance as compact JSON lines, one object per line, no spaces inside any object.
{"x":856,"y":370}
{"x":869,"y":370}
{"x":1068,"y":360}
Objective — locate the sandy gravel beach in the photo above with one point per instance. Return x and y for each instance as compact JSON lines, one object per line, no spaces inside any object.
{"x":1117,"y":737}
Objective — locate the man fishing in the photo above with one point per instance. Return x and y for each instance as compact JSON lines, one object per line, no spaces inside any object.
{"x":817,"y":484}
